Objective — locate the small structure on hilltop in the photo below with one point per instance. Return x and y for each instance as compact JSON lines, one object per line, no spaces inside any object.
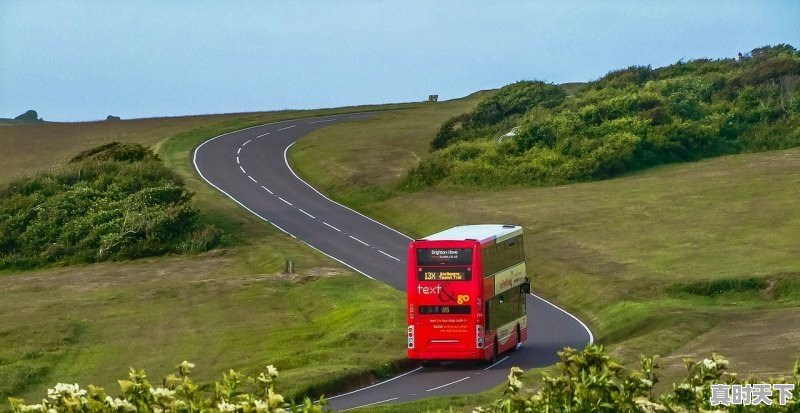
{"x":433,"y":98}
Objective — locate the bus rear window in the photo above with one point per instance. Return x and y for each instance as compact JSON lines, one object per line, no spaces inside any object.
{"x":444,"y":256}
{"x":444,"y":309}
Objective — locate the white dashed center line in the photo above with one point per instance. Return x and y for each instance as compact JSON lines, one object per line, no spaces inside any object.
{"x":267,"y":189}
{"x":237,"y":160}
{"x":250,"y":140}
{"x":243,"y":171}
{"x":390,"y":256}
{"x":285,"y":201}
{"x":252,"y":179}
{"x":448,"y":384}
{"x":239,"y":151}
{"x":288,"y":127}
{"x":358,"y":240}
{"x":320,"y":121}
{"x":331,"y":226}
{"x":301,"y":210}
{"x":262,"y":135}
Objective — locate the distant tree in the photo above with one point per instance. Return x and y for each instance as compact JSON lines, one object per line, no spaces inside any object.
{"x":112,"y":117}
{"x":29,"y":116}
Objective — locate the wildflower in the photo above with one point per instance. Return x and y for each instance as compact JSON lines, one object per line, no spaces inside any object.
{"x":709,"y":364}
{"x":648,"y":406}
{"x":647,"y":383}
{"x":32,"y":408}
{"x":260,"y":406}
{"x":274,"y":399}
{"x":272,"y":371}
{"x":117,"y":404}
{"x":162,"y":392}
{"x":224,"y":406}
{"x":185,"y":367}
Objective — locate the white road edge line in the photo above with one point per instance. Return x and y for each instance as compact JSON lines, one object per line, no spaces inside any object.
{"x":389,"y":255}
{"x":370,"y":404}
{"x":358,"y":240}
{"x":252,"y":179}
{"x":267,"y":189}
{"x":331,"y":226}
{"x":285,"y":201}
{"x":376,"y":384}
{"x":243,"y":171}
{"x":288,"y":127}
{"x":585,"y":327}
{"x":248,"y":141}
{"x":194,"y":162}
{"x":301,"y":210}
{"x":286,"y":160}
{"x":448,"y":384}
{"x":498,"y":362}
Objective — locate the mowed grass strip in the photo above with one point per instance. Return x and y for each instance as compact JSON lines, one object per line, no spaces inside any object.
{"x":611,"y":251}
{"x":324,"y":328}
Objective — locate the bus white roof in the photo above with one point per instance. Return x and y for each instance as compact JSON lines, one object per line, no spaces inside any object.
{"x":482,"y":233}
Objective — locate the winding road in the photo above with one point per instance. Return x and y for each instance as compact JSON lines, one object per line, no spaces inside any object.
{"x":251,"y":167}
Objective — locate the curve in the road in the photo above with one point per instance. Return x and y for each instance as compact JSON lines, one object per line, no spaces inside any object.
{"x":251,"y":167}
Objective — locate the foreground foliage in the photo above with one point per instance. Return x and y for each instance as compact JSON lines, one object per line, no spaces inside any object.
{"x":585,"y":381}
{"x":590,"y":381}
{"x":115,"y":201}
{"x":628,"y":120}
{"x":236,"y":392}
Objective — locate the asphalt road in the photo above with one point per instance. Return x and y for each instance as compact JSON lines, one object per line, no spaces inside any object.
{"x":251,"y":167}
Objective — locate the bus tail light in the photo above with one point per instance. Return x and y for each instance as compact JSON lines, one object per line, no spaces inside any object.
{"x":479,"y":336}
{"x":411,"y":336}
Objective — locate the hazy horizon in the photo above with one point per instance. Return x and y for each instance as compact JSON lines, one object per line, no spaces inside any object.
{"x":82,"y":60}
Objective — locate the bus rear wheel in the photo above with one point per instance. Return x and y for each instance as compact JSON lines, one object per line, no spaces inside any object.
{"x":519,"y":340}
{"x":493,"y":360}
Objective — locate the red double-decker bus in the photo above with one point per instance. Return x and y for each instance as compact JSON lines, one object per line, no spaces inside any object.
{"x":466,"y":293}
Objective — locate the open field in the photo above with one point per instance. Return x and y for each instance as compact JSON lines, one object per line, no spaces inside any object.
{"x":619,"y":253}
{"x":225,"y":309}
{"x":29,"y":148}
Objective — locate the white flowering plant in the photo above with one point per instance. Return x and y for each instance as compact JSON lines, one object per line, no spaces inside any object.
{"x":235,"y":392}
{"x":590,"y":381}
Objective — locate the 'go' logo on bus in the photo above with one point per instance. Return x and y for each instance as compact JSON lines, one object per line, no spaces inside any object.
{"x":462,"y":298}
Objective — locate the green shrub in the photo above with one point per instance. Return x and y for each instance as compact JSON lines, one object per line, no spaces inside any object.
{"x":630,"y":119}
{"x":117,"y":201}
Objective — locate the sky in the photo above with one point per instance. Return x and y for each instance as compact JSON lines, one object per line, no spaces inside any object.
{"x":84,"y":60}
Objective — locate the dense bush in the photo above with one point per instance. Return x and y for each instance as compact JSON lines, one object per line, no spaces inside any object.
{"x":113,"y":202}
{"x":630,"y":119}
{"x":496,"y":112}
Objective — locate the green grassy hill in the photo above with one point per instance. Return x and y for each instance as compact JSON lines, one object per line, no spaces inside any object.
{"x":680,"y":260}
{"x":628,"y":120}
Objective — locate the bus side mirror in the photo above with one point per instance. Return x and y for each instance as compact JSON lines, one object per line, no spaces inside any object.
{"x":525,"y":288}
